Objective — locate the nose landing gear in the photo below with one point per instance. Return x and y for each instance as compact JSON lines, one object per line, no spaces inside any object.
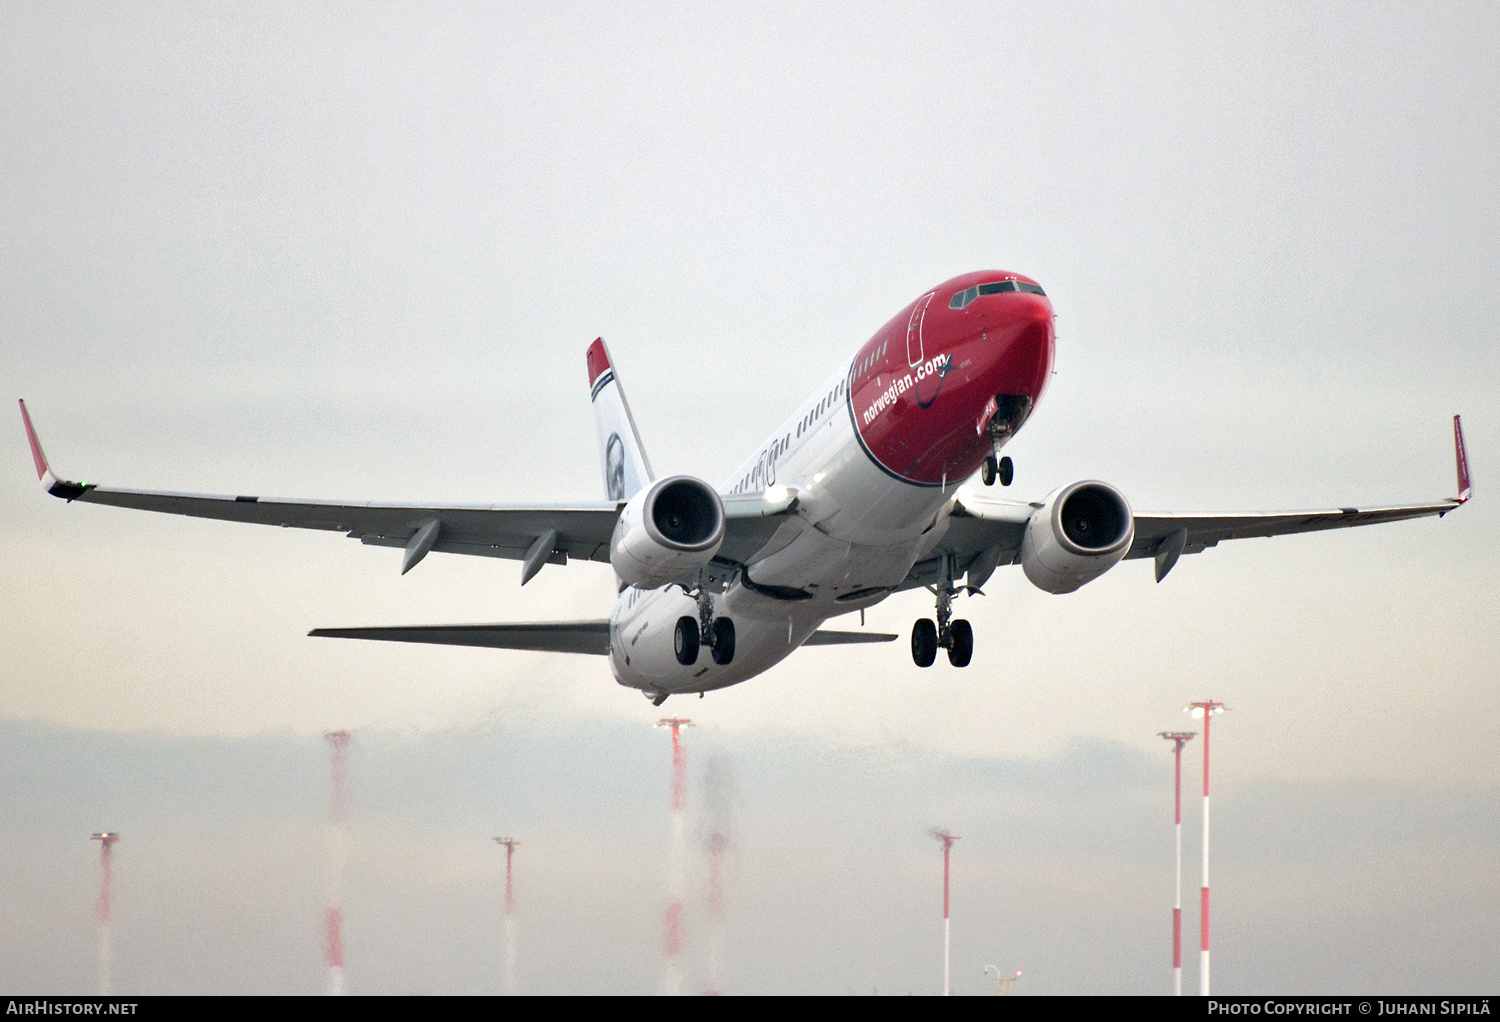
{"x":1004,"y":470}
{"x":957,"y":637}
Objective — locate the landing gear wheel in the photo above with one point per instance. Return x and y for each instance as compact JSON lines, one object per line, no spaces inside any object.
{"x":961,"y":646}
{"x":924,"y":642}
{"x":988,"y":471}
{"x":722,"y":647}
{"x":1007,"y":471}
{"x":686,"y":641}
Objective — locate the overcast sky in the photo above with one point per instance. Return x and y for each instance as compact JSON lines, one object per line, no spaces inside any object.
{"x":356,"y":252}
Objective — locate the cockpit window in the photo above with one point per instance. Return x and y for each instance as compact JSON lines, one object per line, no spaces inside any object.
{"x":1010,"y":285}
{"x":963,"y":298}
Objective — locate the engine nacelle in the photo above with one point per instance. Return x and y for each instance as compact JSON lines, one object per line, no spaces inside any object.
{"x":1080,"y":532}
{"x":667,"y":530}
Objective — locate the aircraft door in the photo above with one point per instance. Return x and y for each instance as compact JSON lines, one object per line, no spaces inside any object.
{"x":914,"y":330}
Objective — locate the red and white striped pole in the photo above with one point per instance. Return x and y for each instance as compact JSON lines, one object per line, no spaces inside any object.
{"x":672,"y":928}
{"x":106,"y":840}
{"x":1178,"y":740}
{"x":337,"y":815}
{"x":510,"y":916}
{"x":1205,"y":711}
{"x":718,"y":848}
{"x":947,"y":839}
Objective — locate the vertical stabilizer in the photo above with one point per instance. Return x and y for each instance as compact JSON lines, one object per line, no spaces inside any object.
{"x":626,"y":469}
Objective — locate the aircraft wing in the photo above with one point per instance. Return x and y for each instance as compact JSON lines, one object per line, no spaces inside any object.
{"x":983,"y":533}
{"x":1166,"y":535}
{"x":535,"y":534}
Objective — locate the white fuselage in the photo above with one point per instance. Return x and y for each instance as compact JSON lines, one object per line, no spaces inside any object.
{"x":855,"y":528}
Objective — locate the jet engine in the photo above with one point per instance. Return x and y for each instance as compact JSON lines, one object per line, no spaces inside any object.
{"x":668,"y":529}
{"x":1080,"y":532}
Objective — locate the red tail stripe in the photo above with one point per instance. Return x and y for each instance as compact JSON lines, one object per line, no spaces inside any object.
{"x":598,"y":360}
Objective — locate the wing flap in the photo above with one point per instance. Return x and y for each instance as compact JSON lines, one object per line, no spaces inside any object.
{"x":1204,"y":531}
{"x":591,"y":637}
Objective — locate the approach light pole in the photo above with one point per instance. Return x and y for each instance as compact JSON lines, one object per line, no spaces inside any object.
{"x":1003,"y":981}
{"x":1204,"y":711}
{"x":106,"y":841}
{"x":947,"y":839}
{"x":510,"y":844}
{"x":1178,"y":740}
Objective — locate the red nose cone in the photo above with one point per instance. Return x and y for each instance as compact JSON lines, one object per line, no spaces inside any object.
{"x":1019,"y":336}
{"x":955,"y":373}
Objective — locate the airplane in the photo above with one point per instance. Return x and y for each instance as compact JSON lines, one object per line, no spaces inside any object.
{"x":854,"y":497}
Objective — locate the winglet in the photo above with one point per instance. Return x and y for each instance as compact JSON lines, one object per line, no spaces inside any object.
{"x":53,"y":485}
{"x":1461,"y":456}
{"x":36,"y":445}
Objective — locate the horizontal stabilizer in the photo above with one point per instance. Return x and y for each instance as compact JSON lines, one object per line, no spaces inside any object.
{"x":845,"y":638}
{"x":548,"y":637}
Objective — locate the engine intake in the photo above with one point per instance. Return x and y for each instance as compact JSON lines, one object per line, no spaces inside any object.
{"x":1080,"y":532}
{"x":666,"y":531}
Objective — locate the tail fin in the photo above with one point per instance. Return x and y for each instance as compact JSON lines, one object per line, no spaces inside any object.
{"x":626,"y":469}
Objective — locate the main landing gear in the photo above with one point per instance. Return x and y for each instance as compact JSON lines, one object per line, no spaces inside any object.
{"x":957,"y":637}
{"x":1004,"y":469}
{"x":716,"y":632}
